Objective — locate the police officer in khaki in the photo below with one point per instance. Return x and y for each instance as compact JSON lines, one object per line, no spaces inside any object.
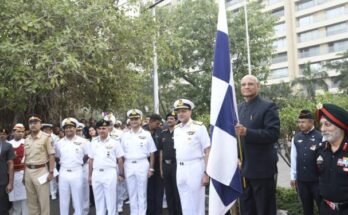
{"x":39,"y":161}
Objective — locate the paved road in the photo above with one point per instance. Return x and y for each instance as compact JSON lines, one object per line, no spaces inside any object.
{"x":55,"y":209}
{"x":283,"y":181}
{"x":283,"y":174}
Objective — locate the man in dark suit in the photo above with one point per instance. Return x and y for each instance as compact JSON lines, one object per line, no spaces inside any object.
{"x":6,"y":171}
{"x":304,"y":176}
{"x":155,"y":186}
{"x":259,"y":131}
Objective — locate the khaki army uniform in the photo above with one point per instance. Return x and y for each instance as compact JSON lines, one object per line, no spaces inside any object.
{"x":37,"y":151}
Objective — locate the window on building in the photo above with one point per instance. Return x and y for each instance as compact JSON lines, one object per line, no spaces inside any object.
{"x":309,"y":52}
{"x":338,"y":46}
{"x":279,"y":58}
{"x":305,"y":4}
{"x":270,"y":2}
{"x":279,"y":43}
{"x":278,"y":13}
{"x":305,"y":20}
{"x":279,"y":73}
{"x":232,"y":2}
{"x":279,"y":28}
{"x":314,"y":67}
{"x":337,"y":28}
{"x":308,"y":35}
{"x":334,"y":12}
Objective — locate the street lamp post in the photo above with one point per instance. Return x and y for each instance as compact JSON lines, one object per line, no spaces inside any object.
{"x":155,"y":64}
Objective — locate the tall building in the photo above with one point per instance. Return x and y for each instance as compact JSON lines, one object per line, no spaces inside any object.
{"x":312,"y":31}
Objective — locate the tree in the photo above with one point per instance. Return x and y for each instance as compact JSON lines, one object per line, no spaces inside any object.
{"x":186,"y":47}
{"x":311,"y":81}
{"x":59,"y":56}
{"x":342,"y":67}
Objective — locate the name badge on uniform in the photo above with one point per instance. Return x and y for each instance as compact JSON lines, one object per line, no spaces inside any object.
{"x":345,"y":162}
{"x":191,"y":133}
{"x":313,"y":147}
{"x":340,"y":162}
{"x":320,"y":160}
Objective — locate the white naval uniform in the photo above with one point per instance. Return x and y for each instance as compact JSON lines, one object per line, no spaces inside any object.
{"x":137,"y":147}
{"x":53,"y":182}
{"x":18,"y":196}
{"x":71,"y":153}
{"x":104,"y":175}
{"x":122,"y":185}
{"x":190,"y":140}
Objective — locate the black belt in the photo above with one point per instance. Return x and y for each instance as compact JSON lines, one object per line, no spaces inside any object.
{"x":32,"y":166}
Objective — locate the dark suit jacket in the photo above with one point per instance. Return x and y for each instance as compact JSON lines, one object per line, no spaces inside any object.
{"x":6,"y":154}
{"x":261,"y":119}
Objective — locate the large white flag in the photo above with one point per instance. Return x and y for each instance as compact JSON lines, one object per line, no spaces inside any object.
{"x":225,"y":185}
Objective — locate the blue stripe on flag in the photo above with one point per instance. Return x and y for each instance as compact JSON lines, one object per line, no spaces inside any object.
{"x":230,"y":193}
{"x":222,"y":55}
{"x":227,"y":118}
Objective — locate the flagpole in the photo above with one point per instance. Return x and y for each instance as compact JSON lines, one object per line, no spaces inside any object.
{"x":155,"y":67}
{"x":247,"y":35}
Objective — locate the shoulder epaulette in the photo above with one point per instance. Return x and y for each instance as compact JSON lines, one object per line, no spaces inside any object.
{"x":46,"y":134}
{"x":177,"y":126}
{"x":197,"y":122}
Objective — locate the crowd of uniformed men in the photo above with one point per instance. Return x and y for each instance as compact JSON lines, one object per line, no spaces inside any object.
{"x":104,"y":163}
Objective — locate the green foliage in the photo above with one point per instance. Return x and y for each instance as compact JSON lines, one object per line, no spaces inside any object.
{"x":59,"y":56}
{"x":287,"y":200}
{"x":342,"y":67}
{"x":311,"y":81}
{"x":291,"y":108}
{"x":186,"y":48}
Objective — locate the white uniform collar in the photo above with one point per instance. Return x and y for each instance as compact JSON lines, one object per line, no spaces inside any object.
{"x":187,"y":124}
{"x":72,"y":139}
{"x":139,"y":131}
{"x":103,"y":141}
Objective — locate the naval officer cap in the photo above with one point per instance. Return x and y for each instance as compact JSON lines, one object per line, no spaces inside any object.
{"x":173,"y":114}
{"x":46,"y":125}
{"x":110,"y":117}
{"x":70,"y":121}
{"x":134,"y":113}
{"x":4,"y":131}
{"x":335,"y":114}
{"x":183,"y":104}
{"x":102,"y":123}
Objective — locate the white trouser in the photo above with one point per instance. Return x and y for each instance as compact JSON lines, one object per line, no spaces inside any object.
{"x":189,"y":180}
{"x":85,"y":188}
{"x":104,"y":183}
{"x":136,"y":178}
{"x":70,"y":183}
{"x":54,"y":185}
{"x":121,"y":193}
{"x":18,"y":195}
{"x":19,"y":208}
